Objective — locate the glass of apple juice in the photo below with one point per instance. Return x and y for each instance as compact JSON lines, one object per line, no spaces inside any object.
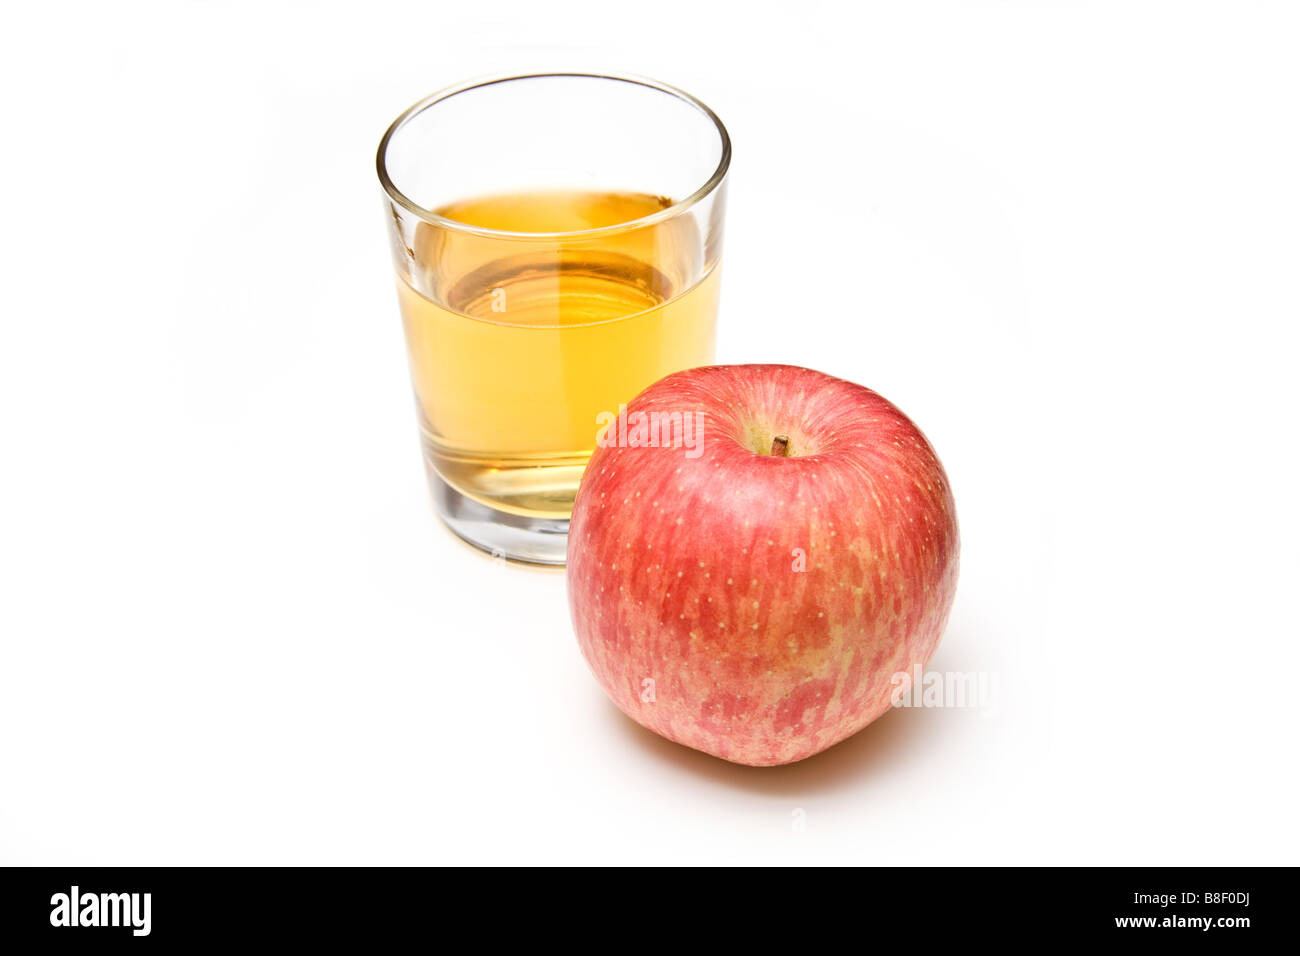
{"x":556,"y":239}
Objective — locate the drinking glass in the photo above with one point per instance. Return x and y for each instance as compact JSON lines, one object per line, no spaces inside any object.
{"x":556,"y":239}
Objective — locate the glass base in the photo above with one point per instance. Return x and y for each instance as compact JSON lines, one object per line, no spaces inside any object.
{"x":501,"y":534}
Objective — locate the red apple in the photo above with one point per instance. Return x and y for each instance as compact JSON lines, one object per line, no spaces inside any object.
{"x":749,"y":590}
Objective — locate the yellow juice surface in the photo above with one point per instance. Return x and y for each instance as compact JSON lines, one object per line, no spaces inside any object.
{"x":518,"y":344}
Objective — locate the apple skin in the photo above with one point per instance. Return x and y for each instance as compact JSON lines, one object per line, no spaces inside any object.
{"x":684,"y":570}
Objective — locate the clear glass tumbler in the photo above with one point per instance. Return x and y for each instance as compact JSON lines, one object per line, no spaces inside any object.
{"x":556,"y":239}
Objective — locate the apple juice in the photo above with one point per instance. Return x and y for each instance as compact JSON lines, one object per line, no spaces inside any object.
{"x":518,"y":342}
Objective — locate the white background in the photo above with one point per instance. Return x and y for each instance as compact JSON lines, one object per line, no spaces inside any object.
{"x":1062,"y":236}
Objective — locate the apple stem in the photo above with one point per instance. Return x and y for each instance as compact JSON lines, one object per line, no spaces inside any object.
{"x":780,"y":445}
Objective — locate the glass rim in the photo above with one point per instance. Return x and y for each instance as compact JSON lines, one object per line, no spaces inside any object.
{"x":668,"y":212}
